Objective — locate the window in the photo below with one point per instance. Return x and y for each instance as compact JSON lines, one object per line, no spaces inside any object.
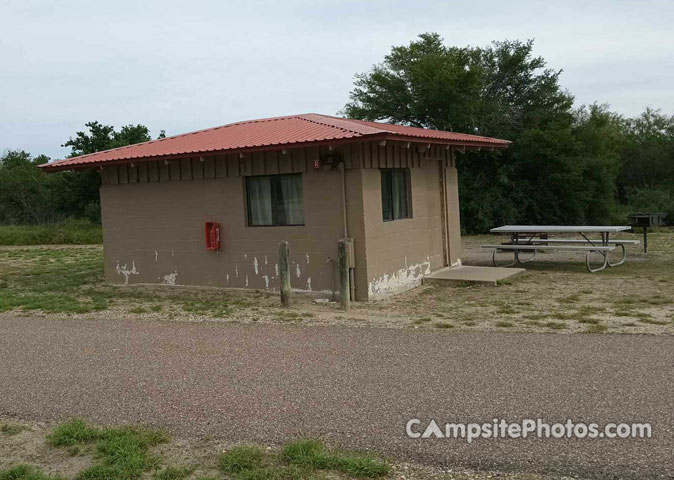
{"x":395,"y":194}
{"x":275,"y":200}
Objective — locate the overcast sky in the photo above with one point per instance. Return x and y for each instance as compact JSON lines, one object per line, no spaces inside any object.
{"x":186,"y":65}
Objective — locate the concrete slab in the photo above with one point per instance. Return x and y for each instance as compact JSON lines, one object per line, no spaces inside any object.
{"x":468,"y":274}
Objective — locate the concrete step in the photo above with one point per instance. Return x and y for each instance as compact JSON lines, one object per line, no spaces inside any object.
{"x":468,"y":274}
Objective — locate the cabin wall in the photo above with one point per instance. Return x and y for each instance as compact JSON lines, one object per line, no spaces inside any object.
{"x":401,"y":252}
{"x":154,"y":214}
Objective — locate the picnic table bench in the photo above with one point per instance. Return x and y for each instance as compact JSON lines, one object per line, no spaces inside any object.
{"x":532,"y":238}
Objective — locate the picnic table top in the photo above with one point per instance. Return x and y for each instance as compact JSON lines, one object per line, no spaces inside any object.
{"x":560,"y":229}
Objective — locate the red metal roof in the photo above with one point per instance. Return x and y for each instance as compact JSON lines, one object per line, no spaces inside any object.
{"x":294,"y":130}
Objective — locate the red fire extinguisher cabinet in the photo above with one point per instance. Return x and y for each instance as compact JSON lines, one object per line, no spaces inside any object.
{"x":212,"y":236}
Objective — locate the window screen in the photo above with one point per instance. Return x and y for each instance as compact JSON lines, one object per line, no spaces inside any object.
{"x":395,"y":194}
{"x":275,"y":200}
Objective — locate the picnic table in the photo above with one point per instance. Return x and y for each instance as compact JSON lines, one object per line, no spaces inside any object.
{"x":532,"y":238}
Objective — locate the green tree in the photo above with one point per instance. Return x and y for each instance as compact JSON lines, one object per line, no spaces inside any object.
{"x":78,"y":192}
{"x":646,"y":180}
{"x":550,"y":173}
{"x":24,"y":194}
{"x":29,"y":195}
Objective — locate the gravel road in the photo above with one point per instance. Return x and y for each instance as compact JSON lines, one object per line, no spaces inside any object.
{"x":354,"y":387}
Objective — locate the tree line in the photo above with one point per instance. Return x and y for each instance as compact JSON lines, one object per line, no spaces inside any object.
{"x":566,"y":164}
{"x":30,"y":196}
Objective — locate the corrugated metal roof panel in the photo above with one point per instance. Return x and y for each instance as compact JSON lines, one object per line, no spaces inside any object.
{"x":269,"y":132}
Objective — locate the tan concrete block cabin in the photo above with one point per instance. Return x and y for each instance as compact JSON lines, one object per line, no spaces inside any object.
{"x":307,"y":179}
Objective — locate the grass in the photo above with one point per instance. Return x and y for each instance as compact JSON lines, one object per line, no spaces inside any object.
{"x":77,"y":232}
{"x":241,"y":458}
{"x":312,"y":455}
{"x":589,"y":321}
{"x":173,"y":473}
{"x":11,"y":429}
{"x":123,"y":453}
{"x":652,"y":321}
{"x":126,"y":453}
{"x":504,"y":324}
{"x":25,"y":472}
{"x":596,"y":329}
{"x":72,"y":432}
{"x":51,"y":279}
{"x":555,"y":325}
{"x":70,"y":280}
{"x":303,"y":459}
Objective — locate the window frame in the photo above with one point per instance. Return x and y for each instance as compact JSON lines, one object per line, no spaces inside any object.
{"x":274,"y":186}
{"x":407,"y":187}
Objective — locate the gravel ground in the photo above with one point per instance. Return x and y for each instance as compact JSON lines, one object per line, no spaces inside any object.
{"x":353,"y":387}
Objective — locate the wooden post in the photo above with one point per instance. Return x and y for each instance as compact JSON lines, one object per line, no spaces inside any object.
{"x":284,"y":273}
{"x":343,"y":266}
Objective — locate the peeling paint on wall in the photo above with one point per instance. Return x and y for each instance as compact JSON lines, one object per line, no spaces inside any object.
{"x":309,"y":283}
{"x":266,"y":281}
{"x":408,"y":277}
{"x":307,"y":259}
{"x":125,"y":272}
{"x":236,"y":271}
{"x":246,"y":280}
{"x":276,"y":268}
{"x":256,"y":266}
{"x":156,"y":256}
{"x":457,"y":263}
{"x":298,"y":272}
{"x":265,"y":260}
{"x":170,"y":279}
{"x":227,"y":277}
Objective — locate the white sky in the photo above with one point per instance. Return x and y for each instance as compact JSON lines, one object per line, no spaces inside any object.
{"x":186,"y":65}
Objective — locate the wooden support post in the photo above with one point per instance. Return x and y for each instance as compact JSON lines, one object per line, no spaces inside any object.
{"x":284,"y":273}
{"x":343,"y":266}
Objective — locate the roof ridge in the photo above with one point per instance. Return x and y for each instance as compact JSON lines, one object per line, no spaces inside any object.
{"x":341,"y":119}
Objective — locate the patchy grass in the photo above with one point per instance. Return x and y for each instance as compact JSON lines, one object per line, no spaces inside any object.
{"x":75,"y":232}
{"x":596,"y":329}
{"x":70,"y":280}
{"x":12,"y":428}
{"x":303,"y":459}
{"x":122,"y":453}
{"x":652,"y":321}
{"x":130,"y":453}
{"x":504,"y":324}
{"x":173,"y":473}
{"x":72,"y":432}
{"x":552,"y":292}
{"x":25,"y":472}
{"x":51,"y":279}
{"x":241,"y":458}
{"x":589,"y":320}
{"x":312,"y":455}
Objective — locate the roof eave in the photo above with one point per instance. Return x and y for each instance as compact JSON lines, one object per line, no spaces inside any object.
{"x":466,"y":144}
